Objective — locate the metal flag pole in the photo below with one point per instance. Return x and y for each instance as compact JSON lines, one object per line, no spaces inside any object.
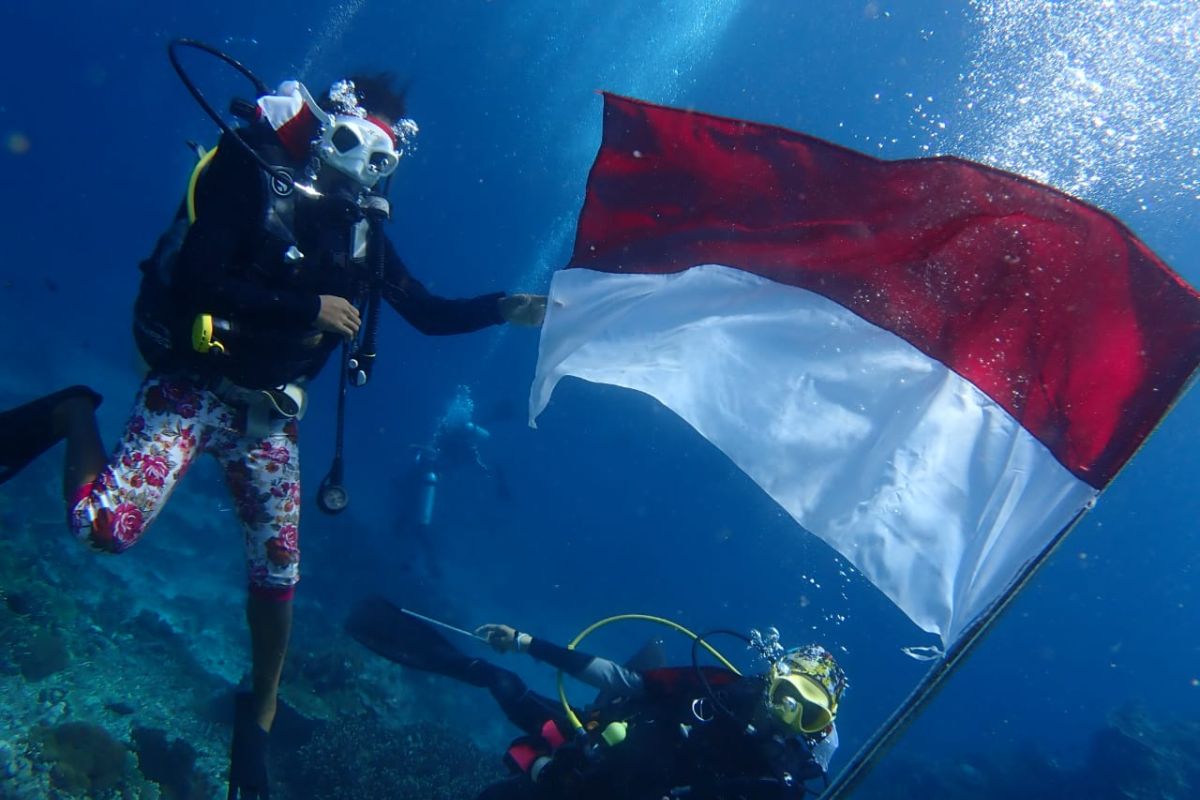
{"x":886,"y":735}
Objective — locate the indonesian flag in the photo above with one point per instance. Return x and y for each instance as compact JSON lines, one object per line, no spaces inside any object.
{"x":932,"y":365}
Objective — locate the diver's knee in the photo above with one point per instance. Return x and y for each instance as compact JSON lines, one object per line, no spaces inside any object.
{"x":505,"y":686}
{"x":499,"y":681}
{"x":104,"y":529}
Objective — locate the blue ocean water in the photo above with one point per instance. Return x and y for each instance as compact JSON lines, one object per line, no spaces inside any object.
{"x":613,"y":503}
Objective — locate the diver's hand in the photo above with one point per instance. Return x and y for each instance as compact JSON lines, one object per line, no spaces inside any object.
{"x":337,"y":315}
{"x":500,"y":637}
{"x":523,"y":309}
{"x":248,"y":756}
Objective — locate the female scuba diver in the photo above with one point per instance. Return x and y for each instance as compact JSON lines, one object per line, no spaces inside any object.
{"x":654,"y":731}
{"x":277,"y":257}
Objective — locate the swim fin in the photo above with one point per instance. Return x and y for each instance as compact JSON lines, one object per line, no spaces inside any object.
{"x":652,"y":655}
{"x":383,"y":628}
{"x":29,"y":430}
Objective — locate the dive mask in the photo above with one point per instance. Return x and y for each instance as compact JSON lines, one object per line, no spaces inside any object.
{"x":800,"y":703}
{"x":358,"y":145}
{"x":804,"y":687}
{"x":358,"y":148}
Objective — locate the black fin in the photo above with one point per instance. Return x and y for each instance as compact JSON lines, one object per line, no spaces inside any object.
{"x":28,"y":431}
{"x":652,"y":655}
{"x":383,"y":628}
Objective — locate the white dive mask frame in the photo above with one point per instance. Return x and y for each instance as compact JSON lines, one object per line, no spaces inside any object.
{"x":356,"y":146}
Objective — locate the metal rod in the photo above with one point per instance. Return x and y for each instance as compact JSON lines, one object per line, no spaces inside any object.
{"x":885,"y":737}
{"x":445,"y":625}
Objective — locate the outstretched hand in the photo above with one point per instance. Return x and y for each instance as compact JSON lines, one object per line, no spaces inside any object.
{"x":523,"y":309}
{"x":501,"y":637}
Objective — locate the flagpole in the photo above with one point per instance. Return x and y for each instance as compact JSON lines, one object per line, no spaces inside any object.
{"x":886,"y":735}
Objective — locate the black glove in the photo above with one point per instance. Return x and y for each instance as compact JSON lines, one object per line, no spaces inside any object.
{"x":248,"y":757}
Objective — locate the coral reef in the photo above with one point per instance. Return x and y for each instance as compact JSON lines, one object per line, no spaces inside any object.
{"x":84,"y":759}
{"x":323,"y":681}
{"x":1134,"y":757}
{"x":118,"y":682}
{"x":41,"y":655}
{"x":33,"y":619}
{"x":117,"y":685}
{"x":360,"y":757}
{"x":1139,"y":758}
{"x":171,"y":763}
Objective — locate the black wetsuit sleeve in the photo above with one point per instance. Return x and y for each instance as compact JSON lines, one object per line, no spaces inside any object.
{"x":430,"y":314}
{"x":597,"y":672}
{"x":210,"y":276}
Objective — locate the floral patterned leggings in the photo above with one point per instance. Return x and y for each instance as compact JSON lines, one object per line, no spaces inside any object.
{"x":174,"y":420}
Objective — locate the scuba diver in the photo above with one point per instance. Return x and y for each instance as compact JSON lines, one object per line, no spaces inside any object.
{"x":654,"y":731}
{"x":276,"y":256}
{"x":453,"y":448}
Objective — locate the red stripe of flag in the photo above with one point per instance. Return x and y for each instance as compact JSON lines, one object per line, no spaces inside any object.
{"x":1051,"y":307}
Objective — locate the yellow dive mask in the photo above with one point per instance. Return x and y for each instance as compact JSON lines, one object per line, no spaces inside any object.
{"x":800,"y":703}
{"x":804,"y":688}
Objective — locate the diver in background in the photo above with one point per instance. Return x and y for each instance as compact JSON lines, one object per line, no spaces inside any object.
{"x":452,"y":453}
{"x":454,"y":448}
{"x":703,"y":733}
{"x":277,"y":247}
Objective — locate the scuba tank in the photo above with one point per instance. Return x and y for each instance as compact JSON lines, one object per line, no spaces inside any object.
{"x":424,"y":481}
{"x":165,"y":340}
{"x":426,"y":494}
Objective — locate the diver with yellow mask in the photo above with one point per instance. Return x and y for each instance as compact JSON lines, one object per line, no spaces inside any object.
{"x":654,"y":731}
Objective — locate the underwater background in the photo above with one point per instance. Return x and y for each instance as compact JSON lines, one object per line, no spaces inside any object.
{"x":116,"y":673}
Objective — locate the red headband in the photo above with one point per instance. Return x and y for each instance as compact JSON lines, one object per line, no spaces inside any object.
{"x":384,"y":126}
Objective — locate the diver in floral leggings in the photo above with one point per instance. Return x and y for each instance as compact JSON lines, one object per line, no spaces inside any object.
{"x":174,"y":421}
{"x":259,"y":280}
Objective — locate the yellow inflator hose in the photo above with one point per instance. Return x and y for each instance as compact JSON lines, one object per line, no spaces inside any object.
{"x":675,"y":626}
